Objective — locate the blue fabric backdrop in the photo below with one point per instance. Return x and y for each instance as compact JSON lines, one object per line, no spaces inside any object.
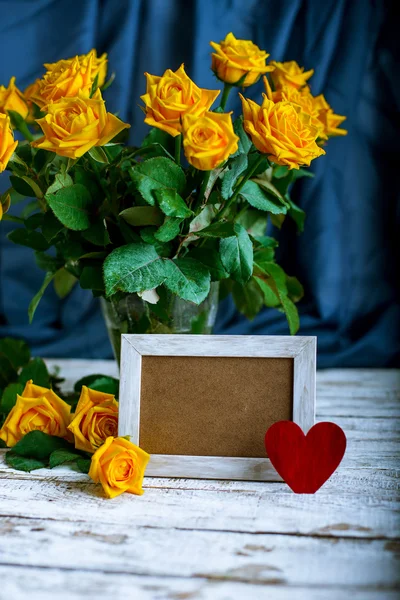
{"x":345,"y":258}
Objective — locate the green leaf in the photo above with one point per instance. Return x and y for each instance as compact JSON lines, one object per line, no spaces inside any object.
{"x":41,"y":159}
{"x":168,"y":230}
{"x":292,"y":314}
{"x":31,"y":239}
{"x":266,"y":241}
{"x":16,"y":351}
{"x":237,"y":166}
{"x":62,"y":180}
{"x":172,"y":204}
{"x":34,"y":221}
{"x":92,"y":278}
{"x":158,"y":136}
{"x":189,"y":279}
{"x":63,"y":282}
{"x":100,"y":383}
{"x":217,"y":230}
{"x":98,"y":154}
{"x":268,"y":288}
{"x":37,"y":298}
{"x":61,"y":456}
{"x":263,"y":256}
{"x":97,"y":234}
{"x":244,"y":140}
{"x":88,"y":179}
{"x":26,"y":186}
{"x":142,"y":215}
{"x":147,"y":235}
{"x":71,"y":205}
{"x":47,"y":263}
{"x":297,"y":214}
{"x":237,"y":254}
{"x":39,"y":445}
{"x":37,"y":371}
{"x":51,"y":226}
{"x":133,"y":268}
{"x":9,"y":397}
{"x":260,"y":199}
{"x":294,"y":288}
{"x":248,"y":298}
{"x":83,"y":464}
{"x":254,"y":221}
{"x":211,"y":259}
{"x":22,"y":463}
{"x":157,"y":173}
{"x":203,"y":219}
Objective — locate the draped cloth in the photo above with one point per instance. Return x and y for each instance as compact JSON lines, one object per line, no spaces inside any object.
{"x":346,"y":258}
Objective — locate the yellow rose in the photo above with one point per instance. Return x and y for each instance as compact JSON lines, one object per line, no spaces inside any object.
{"x":119,"y":466}
{"x":208,"y":140}
{"x":11,"y":98}
{"x":38,"y":408}
{"x":99,"y":65}
{"x":329,"y":122}
{"x":302,"y":97}
{"x":237,"y":61}
{"x":74,"y":125}
{"x":95,"y":419}
{"x":7,"y":143}
{"x":290,"y":74}
{"x":67,"y":79}
{"x":282,"y":131}
{"x":170,"y":97}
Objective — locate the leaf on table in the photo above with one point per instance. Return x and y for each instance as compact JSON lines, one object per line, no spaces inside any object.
{"x":23,"y":463}
{"x":39,"y":445}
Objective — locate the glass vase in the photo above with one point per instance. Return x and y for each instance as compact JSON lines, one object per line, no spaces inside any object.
{"x":131,"y":314}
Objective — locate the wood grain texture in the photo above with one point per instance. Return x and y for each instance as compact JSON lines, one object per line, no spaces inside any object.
{"x":189,"y":539}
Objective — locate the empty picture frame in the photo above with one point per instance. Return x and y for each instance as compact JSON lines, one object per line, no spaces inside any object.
{"x":201,"y":405}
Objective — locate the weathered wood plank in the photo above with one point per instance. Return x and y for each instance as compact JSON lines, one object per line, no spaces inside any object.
{"x":359,"y":509}
{"x":78,"y":584}
{"x":263,"y":558}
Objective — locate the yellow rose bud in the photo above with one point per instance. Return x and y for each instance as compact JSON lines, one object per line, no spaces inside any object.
{"x":119,"y":466}
{"x":99,"y":65}
{"x":170,"y":97}
{"x":38,"y":408}
{"x":328,"y":120}
{"x":66,"y":79}
{"x":74,"y":125}
{"x":95,"y":419}
{"x":208,"y":140}
{"x":290,"y":74}
{"x":7,"y":143}
{"x":238,"y":61}
{"x":282,"y":131}
{"x":11,"y":98}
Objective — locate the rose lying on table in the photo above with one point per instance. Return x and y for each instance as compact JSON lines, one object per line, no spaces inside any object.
{"x":40,"y":429}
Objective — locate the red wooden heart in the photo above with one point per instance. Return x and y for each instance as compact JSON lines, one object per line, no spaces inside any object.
{"x":305,"y":462}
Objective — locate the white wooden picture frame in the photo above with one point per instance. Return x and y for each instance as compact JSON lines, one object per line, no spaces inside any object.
{"x":301,"y":349}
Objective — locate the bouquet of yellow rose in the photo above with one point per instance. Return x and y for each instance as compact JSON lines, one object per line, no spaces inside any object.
{"x":43,"y":429}
{"x":147,"y":221}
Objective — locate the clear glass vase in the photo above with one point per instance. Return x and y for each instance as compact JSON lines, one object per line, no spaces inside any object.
{"x":131,"y":314}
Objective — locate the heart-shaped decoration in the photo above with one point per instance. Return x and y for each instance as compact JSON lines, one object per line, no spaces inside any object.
{"x":305,"y":462}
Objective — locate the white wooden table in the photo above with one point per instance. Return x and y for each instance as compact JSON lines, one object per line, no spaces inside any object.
{"x":217,"y":540}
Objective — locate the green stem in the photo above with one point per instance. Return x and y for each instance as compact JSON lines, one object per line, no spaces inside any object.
{"x":202,"y":190}
{"x":23,"y":128}
{"x":178,"y":146}
{"x":239,"y":187}
{"x":225,"y":93}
